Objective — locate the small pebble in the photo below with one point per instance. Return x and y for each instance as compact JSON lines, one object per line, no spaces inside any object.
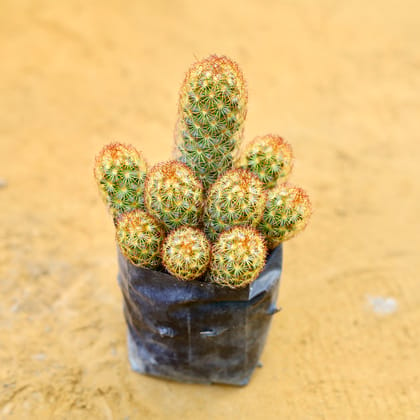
{"x":15,"y":307}
{"x":3,"y":183}
{"x":7,"y":409}
{"x":382,"y":305}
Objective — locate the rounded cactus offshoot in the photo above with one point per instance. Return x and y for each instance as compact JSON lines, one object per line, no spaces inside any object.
{"x":238,"y":256}
{"x":287,"y":212}
{"x":186,"y":253}
{"x":174,"y":195}
{"x":139,"y":237}
{"x":269,"y":157}
{"x":120,"y":171}
{"x":236,"y":198}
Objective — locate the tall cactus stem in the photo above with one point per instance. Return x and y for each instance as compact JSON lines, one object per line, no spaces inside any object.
{"x":212,"y":109}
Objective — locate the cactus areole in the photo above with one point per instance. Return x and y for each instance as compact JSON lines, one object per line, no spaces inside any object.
{"x":200,"y":237}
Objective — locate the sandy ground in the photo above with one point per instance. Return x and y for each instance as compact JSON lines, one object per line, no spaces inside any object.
{"x":339,"y":80}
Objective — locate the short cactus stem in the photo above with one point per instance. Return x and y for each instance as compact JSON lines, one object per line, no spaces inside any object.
{"x":236,"y":198}
{"x":139,"y":237}
{"x":269,"y":157}
{"x":174,"y":195}
{"x":286,"y":213}
{"x":238,"y":257}
{"x":120,"y":171}
{"x":186,"y":253}
{"x":212,"y":110}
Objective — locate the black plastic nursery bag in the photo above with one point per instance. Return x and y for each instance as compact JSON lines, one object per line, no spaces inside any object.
{"x":193,"y":331}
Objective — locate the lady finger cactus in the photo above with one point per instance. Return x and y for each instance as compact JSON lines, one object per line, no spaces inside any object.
{"x":269,"y":157}
{"x":236,"y":198}
{"x":286,"y":213}
{"x":120,"y":172}
{"x":174,"y":195}
{"x":238,"y":256}
{"x":186,"y":253}
{"x":212,"y":109}
{"x":139,"y":237}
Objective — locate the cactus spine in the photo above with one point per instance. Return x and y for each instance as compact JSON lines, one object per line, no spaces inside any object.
{"x":186,"y":253}
{"x":238,"y":256}
{"x":120,"y":172}
{"x":286,"y":213}
{"x":174,"y":195}
{"x":269,"y":157}
{"x":140,"y":237}
{"x":212,"y":109}
{"x":236,"y":198}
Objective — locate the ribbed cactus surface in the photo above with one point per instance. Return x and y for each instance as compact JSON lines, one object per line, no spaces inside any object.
{"x":186,"y":253}
{"x":238,"y":256}
{"x":287,"y":212}
{"x":120,"y":171}
{"x":139,"y":237}
{"x":174,"y":195}
{"x":269,"y":157}
{"x":212,"y":109}
{"x":236,"y":198}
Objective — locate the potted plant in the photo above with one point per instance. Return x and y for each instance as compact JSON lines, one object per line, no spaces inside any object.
{"x":200,"y":236}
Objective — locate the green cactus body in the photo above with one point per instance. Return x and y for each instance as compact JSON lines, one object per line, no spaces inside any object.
{"x":120,"y":171}
{"x":186,"y":253}
{"x":139,"y":237}
{"x":286,"y":213}
{"x":238,"y":256}
{"x":212,"y":109}
{"x":269,"y":157}
{"x":174,"y":195}
{"x":236,"y":198}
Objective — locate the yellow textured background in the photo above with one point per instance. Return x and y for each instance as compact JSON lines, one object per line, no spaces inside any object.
{"x":339,"y":80}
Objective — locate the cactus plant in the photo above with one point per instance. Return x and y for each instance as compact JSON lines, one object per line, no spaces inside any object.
{"x":269,"y":157}
{"x":201,"y":193}
{"x":238,"y":256}
{"x":286,"y":213}
{"x":209,"y":218}
{"x":173,"y":195}
{"x":212,"y":109}
{"x":186,"y":253}
{"x":139,"y":237}
{"x":120,"y":172}
{"x":236,"y":198}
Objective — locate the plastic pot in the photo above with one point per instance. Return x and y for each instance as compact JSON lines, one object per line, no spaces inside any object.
{"x":195,"y":331}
